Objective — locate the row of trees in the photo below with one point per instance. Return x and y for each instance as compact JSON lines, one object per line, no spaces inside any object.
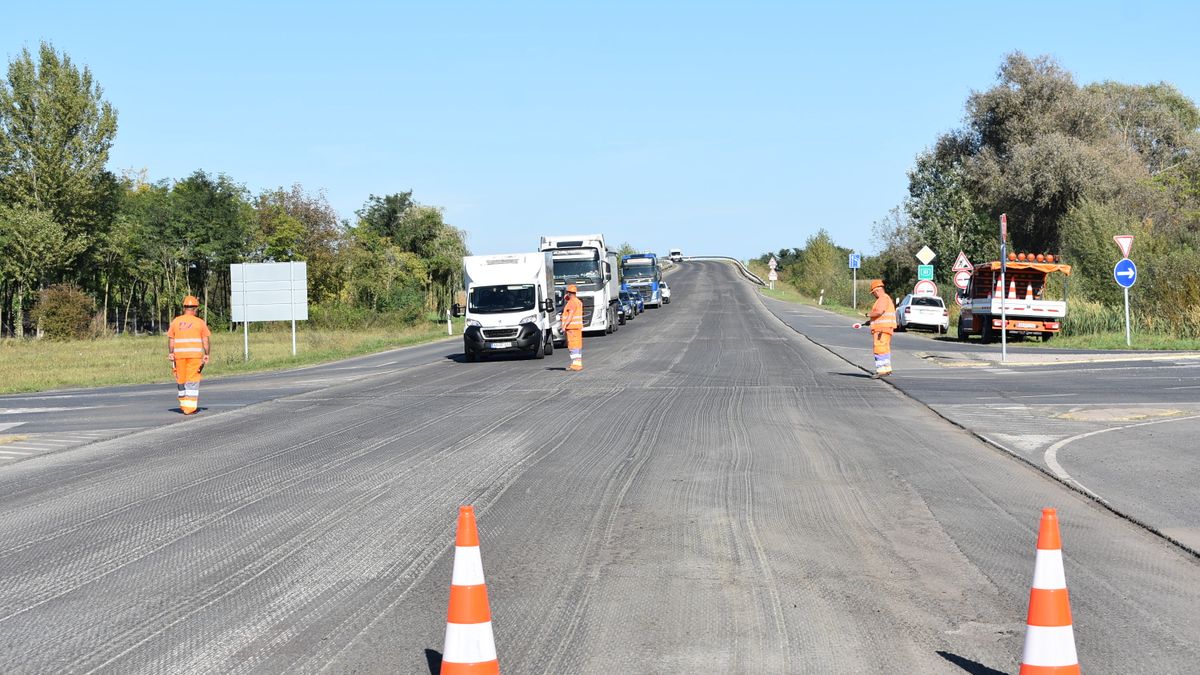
{"x":1072,"y":166}
{"x":136,"y":247}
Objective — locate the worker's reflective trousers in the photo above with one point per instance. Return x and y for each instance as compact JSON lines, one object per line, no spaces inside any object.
{"x":187,"y":378}
{"x":575,"y":347}
{"x":883,"y":352}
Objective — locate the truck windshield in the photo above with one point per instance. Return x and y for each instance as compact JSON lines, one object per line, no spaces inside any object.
{"x":496,"y":299}
{"x":639,"y":271}
{"x":577,"y":271}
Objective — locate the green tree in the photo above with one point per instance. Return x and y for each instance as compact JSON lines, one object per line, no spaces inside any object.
{"x":943,"y":215}
{"x":55,"y":133}
{"x":32,"y":245}
{"x":291,"y":224}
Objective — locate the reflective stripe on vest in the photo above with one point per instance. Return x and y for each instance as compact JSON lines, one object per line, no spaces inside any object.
{"x":177,"y":349}
{"x":885,"y":320}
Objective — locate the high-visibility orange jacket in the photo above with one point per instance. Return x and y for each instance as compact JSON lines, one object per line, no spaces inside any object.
{"x":883,"y":315}
{"x":188,"y":334}
{"x":572,"y":315}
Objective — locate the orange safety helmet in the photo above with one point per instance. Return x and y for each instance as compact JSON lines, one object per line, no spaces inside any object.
{"x":572,"y":288}
{"x":191,"y":301}
{"x":876,"y":283}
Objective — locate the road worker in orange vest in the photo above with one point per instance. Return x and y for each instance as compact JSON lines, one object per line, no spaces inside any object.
{"x":572,"y":323}
{"x":883,"y":321}
{"x":188,"y":350}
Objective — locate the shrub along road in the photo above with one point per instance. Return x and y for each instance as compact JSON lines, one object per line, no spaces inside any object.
{"x":714,"y":493}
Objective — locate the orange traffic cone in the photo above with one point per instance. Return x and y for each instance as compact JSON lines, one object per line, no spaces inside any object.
{"x":1049,"y":637}
{"x":470,"y":647}
{"x":999,"y":290}
{"x":1012,"y":290}
{"x":1028,"y":292}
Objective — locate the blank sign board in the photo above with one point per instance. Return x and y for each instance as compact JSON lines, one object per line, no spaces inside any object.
{"x":269,"y":291}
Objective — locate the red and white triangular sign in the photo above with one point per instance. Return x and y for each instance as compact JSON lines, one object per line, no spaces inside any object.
{"x":961,"y":263}
{"x":1125,"y":241}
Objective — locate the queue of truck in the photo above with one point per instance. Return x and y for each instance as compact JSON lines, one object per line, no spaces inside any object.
{"x":514,"y":301}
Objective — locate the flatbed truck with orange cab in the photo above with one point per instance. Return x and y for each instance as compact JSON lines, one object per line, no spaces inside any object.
{"x":1023,"y":304}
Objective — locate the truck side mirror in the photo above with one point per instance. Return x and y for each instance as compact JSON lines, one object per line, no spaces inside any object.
{"x":456,"y":310}
{"x":548,"y":304}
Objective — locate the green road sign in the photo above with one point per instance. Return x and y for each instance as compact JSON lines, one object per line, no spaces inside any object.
{"x":924,"y":272}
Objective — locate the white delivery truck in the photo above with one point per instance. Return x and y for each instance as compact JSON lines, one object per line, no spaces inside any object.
{"x":584,"y":260}
{"x":675,"y":255}
{"x":511,"y":305}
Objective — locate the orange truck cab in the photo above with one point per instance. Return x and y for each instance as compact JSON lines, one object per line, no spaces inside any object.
{"x":1023,"y":301}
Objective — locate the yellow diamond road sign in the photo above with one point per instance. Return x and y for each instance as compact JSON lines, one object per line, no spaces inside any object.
{"x":925,"y":255}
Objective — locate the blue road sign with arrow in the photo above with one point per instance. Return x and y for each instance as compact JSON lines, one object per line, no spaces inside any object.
{"x":855,"y":260}
{"x":1125,"y":272}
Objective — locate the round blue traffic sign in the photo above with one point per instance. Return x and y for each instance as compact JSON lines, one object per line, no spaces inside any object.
{"x":1125,"y":272}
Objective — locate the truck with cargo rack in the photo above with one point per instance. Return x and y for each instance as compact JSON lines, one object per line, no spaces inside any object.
{"x":1024,"y":304}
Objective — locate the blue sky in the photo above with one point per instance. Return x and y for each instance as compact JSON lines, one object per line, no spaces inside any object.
{"x":731,"y":127}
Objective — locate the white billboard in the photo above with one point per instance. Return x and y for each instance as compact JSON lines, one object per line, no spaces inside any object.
{"x":269,"y":291}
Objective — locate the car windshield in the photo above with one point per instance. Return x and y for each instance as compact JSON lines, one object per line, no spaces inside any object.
{"x":639,"y":271}
{"x":624,"y":296}
{"x":496,"y":299}
{"x":927,"y":302}
{"x":577,"y":271}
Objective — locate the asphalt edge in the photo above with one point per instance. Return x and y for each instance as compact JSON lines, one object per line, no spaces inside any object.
{"x":1195,"y":553}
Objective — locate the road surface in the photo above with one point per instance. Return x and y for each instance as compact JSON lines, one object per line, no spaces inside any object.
{"x":713,"y":493}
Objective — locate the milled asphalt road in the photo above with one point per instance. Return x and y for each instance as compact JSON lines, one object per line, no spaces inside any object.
{"x":714,"y":493}
{"x":1124,"y":431}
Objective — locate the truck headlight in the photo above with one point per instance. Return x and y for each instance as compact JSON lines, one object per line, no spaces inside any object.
{"x":474,"y":323}
{"x":532,"y":318}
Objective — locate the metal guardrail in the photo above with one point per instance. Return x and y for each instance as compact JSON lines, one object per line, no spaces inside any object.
{"x":751,"y":276}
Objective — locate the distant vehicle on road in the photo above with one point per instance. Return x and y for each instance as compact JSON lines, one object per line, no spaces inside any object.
{"x":584,"y":260}
{"x":923,"y":311}
{"x":1024,"y":301}
{"x":666,"y":293}
{"x":639,"y":303}
{"x":675,"y":255}
{"x":641,"y":275}
{"x":625,"y":311}
{"x":511,"y":305}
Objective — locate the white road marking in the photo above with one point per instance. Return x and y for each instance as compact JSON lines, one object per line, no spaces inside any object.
{"x":26,"y":411}
{"x":1051,"y":456}
{"x":13,"y":452}
{"x":1190,"y":386}
{"x":10,"y":425}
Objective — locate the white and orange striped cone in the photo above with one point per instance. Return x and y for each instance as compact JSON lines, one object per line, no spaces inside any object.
{"x":1012,"y":290}
{"x":470,"y":647}
{"x":1049,"y":637}
{"x":999,"y":292}
{"x":1028,"y":292}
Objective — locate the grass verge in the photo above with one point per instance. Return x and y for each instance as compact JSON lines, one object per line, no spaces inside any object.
{"x":40,"y":365}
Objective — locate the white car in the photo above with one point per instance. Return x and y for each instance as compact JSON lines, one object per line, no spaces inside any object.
{"x":666,"y":292}
{"x":922,"y":311}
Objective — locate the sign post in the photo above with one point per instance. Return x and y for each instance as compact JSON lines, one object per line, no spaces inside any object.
{"x":855,"y":263}
{"x":1003,"y":285}
{"x":268,"y":292}
{"x":1125,"y":274}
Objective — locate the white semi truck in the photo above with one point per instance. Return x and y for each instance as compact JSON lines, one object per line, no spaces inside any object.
{"x":511,"y":305}
{"x":584,"y":260}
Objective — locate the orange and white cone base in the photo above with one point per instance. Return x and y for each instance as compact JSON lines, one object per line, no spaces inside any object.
{"x":470,"y":647}
{"x":1049,"y":636}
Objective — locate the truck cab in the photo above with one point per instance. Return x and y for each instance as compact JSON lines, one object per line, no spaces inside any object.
{"x":1024,"y":304}
{"x":675,"y":255}
{"x":584,"y":260}
{"x":641,"y":274}
{"x":511,"y":305}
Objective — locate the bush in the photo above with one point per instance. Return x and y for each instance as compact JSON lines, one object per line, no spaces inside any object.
{"x":64,"y":312}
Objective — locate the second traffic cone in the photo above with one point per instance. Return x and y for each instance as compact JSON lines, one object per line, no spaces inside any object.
{"x":1012,"y":290}
{"x":1049,"y":637}
{"x":470,"y":647}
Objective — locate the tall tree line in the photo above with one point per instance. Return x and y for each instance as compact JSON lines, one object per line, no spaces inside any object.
{"x":136,"y":247}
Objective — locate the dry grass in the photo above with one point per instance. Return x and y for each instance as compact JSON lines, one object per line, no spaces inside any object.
{"x":39,"y":365}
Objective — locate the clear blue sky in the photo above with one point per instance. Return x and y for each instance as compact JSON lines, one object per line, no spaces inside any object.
{"x":732,"y":127}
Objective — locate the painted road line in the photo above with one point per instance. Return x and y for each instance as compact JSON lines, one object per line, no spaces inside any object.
{"x":30,"y":411}
{"x":1051,"y":456}
{"x":13,"y":452}
{"x":10,"y":425}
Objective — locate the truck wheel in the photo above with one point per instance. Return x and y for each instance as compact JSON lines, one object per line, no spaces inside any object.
{"x":988,"y":336}
{"x":549,"y":348}
{"x":1046,"y":335}
{"x":963,"y":336}
{"x":470,"y":355}
{"x":539,"y":351}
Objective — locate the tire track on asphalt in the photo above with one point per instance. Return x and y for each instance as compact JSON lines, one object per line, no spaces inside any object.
{"x":284,"y":551}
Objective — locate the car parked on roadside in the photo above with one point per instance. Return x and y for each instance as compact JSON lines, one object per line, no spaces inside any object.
{"x":639,"y":303}
{"x":923,"y":311}
{"x":666,"y":292}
